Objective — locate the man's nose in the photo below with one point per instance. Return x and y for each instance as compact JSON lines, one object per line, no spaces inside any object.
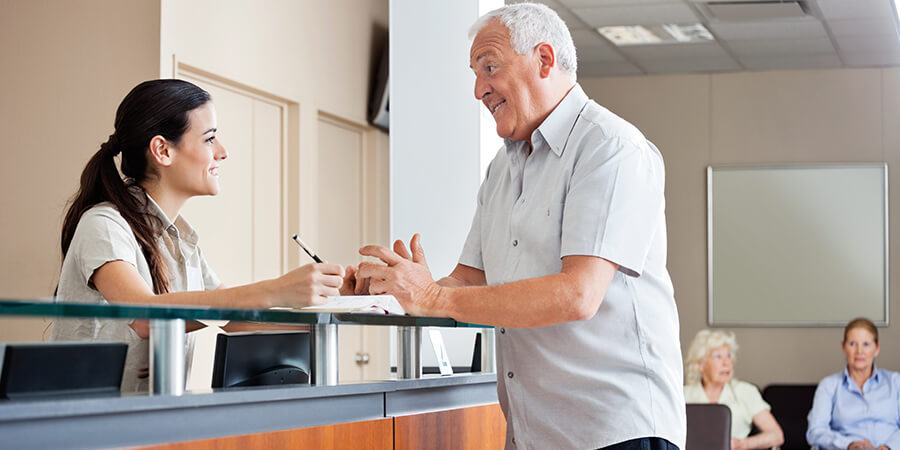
{"x":482,"y":88}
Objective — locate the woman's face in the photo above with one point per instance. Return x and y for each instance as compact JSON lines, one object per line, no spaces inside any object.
{"x":717,"y":368}
{"x":860,"y":348}
{"x":195,"y":160}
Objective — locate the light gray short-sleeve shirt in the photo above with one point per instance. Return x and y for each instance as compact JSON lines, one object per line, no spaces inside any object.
{"x":103,"y":235}
{"x":593,"y":185}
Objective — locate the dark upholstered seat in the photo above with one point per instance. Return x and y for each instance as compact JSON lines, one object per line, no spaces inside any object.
{"x":708,"y":427}
{"x":790,"y":405}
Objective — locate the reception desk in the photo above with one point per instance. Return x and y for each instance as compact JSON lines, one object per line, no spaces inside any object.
{"x":458,"y":411}
{"x":255,"y":413}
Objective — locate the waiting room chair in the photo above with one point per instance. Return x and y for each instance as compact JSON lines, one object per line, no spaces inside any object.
{"x":790,"y":405}
{"x":708,"y":427}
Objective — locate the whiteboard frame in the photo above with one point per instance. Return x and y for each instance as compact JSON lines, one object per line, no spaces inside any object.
{"x":782,"y":324}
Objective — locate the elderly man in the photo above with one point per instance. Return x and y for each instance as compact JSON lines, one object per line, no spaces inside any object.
{"x":566,"y":254}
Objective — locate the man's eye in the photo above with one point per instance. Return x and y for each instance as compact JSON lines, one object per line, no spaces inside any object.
{"x":490,"y":69}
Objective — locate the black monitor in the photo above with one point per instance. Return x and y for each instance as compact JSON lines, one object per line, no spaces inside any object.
{"x":261,"y":359}
{"x":57,"y":369}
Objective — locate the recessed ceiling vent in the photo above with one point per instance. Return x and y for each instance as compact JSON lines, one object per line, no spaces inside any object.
{"x":746,"y":11}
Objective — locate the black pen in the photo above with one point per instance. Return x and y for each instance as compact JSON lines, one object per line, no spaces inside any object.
{"x":306,"y":249}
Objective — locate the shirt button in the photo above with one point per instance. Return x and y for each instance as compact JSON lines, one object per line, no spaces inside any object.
{"x":510,"y":374}
{"x":503,"y":331}
{"x":515,"y":242}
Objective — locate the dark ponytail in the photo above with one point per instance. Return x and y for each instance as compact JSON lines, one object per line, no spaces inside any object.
{"x":152,"y":108}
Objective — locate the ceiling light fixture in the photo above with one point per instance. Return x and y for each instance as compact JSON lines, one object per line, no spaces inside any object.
{"x":625,"y":35}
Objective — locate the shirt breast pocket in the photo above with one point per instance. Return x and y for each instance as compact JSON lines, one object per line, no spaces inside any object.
{"x":194,"y":279}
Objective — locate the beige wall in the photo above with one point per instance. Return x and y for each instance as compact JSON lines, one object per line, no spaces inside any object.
{"x":320,"y":55}
{"x":765,"y":118}
{"x":66,"y":66}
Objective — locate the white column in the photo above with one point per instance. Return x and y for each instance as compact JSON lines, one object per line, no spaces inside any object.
{"x":436,"y":127}
{"x":440,"y":140}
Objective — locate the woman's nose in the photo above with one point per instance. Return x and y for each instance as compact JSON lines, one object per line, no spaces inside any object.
{"x":221,"y":153}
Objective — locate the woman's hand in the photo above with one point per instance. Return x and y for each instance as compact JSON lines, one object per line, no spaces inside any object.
{"x":307,"y":285}
{"x":860,"y":444}
{"x":738,"y":444}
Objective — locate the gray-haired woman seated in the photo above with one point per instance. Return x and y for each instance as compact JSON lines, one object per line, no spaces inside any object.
{"x":709,"y":378}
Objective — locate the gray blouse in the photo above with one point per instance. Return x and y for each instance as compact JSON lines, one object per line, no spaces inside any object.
{"x":103,"y":235}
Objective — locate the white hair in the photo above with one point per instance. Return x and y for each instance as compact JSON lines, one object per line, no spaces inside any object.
{"x":703,"y":343}
{"x":530,"y":24}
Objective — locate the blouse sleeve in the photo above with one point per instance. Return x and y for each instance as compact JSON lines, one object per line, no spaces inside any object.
{"x":102,"y":236}
{"x":752,"y":400}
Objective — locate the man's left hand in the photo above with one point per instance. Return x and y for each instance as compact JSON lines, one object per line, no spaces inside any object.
{"x":404,"y":276}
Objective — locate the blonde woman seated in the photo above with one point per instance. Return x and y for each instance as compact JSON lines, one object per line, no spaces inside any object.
{"x":709,"y":370}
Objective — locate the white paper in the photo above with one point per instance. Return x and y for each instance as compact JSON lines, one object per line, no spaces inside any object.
{"x":376,"y":304}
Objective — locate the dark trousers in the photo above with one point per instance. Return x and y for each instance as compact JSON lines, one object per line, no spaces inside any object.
{"x":647,"y":443}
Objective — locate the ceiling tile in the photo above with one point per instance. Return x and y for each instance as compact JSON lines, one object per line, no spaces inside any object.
{"x":855,"y":9}
{"x":572,"y":21}
{"x":781,"y":47}
{"x":782,"y":29}
{"x":791,"y":62}
{"x":862,"y":27}
{"x":591,"y":47}
{"x":869,"y":44}
{"x":637,"y":14}
{"x":674,"y":51}
{"x":692,"y":65}
{"x":583,"y":3}
{"x":606,"y":69}
{"x":871,"y":59}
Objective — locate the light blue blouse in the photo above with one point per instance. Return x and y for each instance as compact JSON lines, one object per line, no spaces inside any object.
{"x":842,"y":414}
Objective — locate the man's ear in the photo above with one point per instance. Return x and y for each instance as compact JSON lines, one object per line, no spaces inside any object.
{"x":547,"y":58}
{"x":160,"y":151}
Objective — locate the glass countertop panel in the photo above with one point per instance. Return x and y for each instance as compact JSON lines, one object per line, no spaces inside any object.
{"x":122,"y":311}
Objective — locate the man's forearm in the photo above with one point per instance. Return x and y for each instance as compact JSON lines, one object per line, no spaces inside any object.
{"x":450,"y":281}
{"x":534,"y":302}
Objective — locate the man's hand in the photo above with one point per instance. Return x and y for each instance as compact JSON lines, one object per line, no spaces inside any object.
{"x":404,"y":276}
{"x":860,"y":444}
{"x":349,"y":286}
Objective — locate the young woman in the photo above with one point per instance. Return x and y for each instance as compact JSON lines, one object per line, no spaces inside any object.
{"x":858,"y":407}
{"x":124,"y":241}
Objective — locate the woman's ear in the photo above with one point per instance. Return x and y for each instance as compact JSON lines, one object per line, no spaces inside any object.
{"x":160,"y":151}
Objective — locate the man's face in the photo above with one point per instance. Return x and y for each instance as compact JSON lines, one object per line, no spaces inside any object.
{"x":505,"y":81}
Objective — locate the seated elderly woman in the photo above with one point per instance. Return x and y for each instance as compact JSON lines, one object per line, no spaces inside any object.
{"x":860,"y":406}
{"x":709,"y":371}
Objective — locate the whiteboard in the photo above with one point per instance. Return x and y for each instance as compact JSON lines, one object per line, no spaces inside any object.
{"x":797,"y":245}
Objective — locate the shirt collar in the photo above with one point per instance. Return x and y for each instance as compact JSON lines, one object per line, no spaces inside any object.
{"x":557,"y":127}
{"x":180,"y":228}
{"x":876,"y":375}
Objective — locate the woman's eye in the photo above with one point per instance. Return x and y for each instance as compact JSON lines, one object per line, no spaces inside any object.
{"x":211,"y":139}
